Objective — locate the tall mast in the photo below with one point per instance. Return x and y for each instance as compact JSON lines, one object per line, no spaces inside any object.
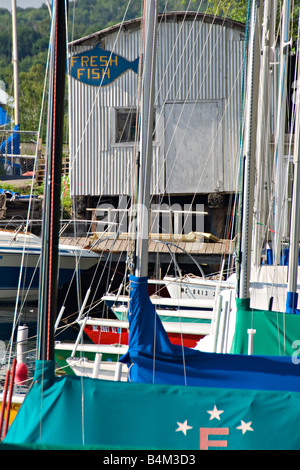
{"x":47,"y":307}
{"x":146,"y":131}
{"x":263,"y":135}
{"x":15,"y":60}
{"x":249,"y":149}
{"x":280,"y":200}
{"x":291,"y":301}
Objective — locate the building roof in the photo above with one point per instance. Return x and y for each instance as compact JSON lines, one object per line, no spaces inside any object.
{"x":169,"y":17}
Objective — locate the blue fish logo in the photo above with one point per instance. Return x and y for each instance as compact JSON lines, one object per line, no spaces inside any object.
{"x":98,"y":67}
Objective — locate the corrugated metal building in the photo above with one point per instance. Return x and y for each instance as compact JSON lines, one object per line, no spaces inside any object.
{"x":197,"y":107}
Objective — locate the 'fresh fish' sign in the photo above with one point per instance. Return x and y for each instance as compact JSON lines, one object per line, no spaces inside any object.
{"x":98,"y":67}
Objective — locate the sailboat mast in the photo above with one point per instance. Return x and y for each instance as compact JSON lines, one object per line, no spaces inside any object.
{"x":280,"y":198}
{"x":15,"y":60}
{"x":47,"y":307}
{"x":146,"y":131}
{"x":249,"y":149}
{"x":262,"y":135}
{"x":291,"y":301}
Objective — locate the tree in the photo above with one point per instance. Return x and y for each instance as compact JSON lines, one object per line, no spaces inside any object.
{"x":31,"y":91}
{"x":234,"y":9}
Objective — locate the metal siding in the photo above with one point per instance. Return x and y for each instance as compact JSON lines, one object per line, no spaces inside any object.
{"x":203,"y":68}
{"x":232,"y":115}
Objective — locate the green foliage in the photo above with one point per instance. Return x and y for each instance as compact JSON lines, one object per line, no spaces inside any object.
{"x":234,"y":9}
{"x":31,"y":84}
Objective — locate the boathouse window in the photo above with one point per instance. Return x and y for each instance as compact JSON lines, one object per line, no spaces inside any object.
{"x":125,"y":125}
{"x":126,"y":120}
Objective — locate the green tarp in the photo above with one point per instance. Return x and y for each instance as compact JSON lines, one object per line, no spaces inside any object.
{"x":277,"y":334}
{"x":74,"y":412}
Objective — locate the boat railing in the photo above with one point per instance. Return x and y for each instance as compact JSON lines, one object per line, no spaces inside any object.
{"x":18,"y":152}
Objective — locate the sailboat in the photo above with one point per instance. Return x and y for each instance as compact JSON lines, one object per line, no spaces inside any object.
{"x":20,"y":250}
{"x":20,"y":256}
{"x":178,"y":398}
{"x":267,"y":291}
{"x":267,"y":288}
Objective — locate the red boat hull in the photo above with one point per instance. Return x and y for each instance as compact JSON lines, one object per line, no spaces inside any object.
{"x":112,"y":335}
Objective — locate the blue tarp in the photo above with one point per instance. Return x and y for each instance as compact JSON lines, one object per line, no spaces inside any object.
{"x":4,"y":119}
{"x":14,"y":195}
{"x":12,"y":146}
{"x":9,"y":194}
{"x":152,"y":358}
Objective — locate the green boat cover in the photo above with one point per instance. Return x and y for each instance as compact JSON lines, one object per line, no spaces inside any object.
{"x":224,"y":401}
{"x":277,"y":334}
{"x":82,"y":413}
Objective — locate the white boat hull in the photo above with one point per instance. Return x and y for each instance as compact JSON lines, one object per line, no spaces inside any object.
{"x":20,"y":255}
{"x":106,"y":371}
{"x":196,"y":287}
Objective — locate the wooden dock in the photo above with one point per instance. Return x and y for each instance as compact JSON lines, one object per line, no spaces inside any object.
{"x":208,"y":251}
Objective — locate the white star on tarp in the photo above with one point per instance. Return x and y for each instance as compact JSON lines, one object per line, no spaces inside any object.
{"x":245,"y":426}
{"x":215,"y":413}
{"x":183,"y":427}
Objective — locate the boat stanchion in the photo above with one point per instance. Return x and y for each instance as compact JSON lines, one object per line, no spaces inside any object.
{"x":97,"y":364}
{"x":251,"y":332}
{"x":118,"y":372}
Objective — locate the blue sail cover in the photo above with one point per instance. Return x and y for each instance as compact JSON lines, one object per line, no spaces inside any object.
{"x":153,"y":359}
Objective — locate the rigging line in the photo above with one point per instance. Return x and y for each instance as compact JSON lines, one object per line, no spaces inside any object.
{"x":174,"y":75}
{"x":142,"y":222}
{"x":98,"y":93}
{"x":190,"y":88}
{"x":16,"y":314}
{"x":97,"y":96}
{"x":102,"y":273}
{"x":268,"y":177}
{"x":290,"y":144}
{"x":52,"y":186}
{"x":52,"y":33}
{"x":133,"y":167}
{"x":242,"y":119}
{"x":174,"y":48}
{"x":183,"y":360}
{"x":218,"y":129}
{"x":73,"y":19}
